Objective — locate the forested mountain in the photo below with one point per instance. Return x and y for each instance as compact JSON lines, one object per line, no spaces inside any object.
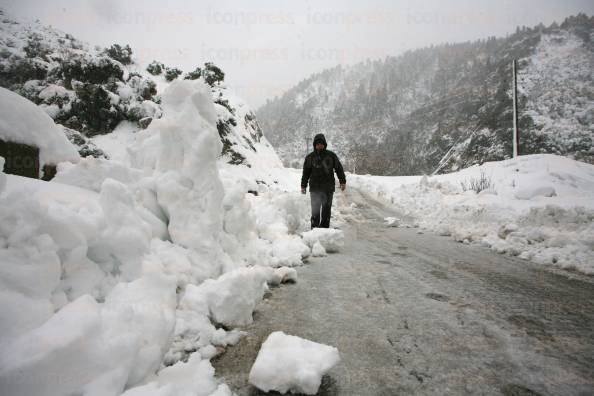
{"x":448,"y":106}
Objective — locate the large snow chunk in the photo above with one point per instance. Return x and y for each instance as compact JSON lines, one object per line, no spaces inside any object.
{"x":182,"y":148}
{"x":289,"y":363}
{"x":126,"y":234}
{"x":21,"y":121}
{"x":145,"y":310}
{"x":27,"y":279}
{"x":332,"y":240}
{"x":232,"y":297}
{"x":63,"y":355}
{"x":192,"y":378}
{"x":318,"y":250}
{"x":288,"y":251}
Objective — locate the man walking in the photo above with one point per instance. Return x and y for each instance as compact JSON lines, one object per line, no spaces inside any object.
{"x":318,"y":170}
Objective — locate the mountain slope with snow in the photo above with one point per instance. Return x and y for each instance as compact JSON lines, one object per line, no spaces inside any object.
{"x":91,"y":91}
{"x":449,"y":106}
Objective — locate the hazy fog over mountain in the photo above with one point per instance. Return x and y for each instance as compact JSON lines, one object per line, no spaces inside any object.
{"x":266,"y":46}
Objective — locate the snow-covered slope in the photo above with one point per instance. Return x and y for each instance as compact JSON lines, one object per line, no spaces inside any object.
{"x":449,"y":106}
{"x":537,"y":207}
{"x":92,"y":91}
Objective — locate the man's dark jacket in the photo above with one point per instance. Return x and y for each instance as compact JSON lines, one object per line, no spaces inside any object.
{"x":319,"y":167}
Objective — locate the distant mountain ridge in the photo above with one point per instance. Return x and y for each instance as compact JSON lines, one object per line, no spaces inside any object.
{"x":449,"y":106}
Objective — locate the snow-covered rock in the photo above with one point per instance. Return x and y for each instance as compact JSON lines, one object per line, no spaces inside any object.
{"x":21,"y":121}
{"x":287,"y":363}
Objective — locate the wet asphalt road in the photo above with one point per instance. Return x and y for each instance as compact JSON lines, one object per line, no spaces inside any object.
{"x":416,"y":313}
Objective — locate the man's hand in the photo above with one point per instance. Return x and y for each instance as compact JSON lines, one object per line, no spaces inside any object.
{"x":302,"y":190}
{"x":342,"y":187}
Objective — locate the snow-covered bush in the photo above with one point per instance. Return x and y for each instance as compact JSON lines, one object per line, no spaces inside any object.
{"x":477,"y":184}
{"x":155,"y":68}
{"x":193,"y":75}
{"x":171,"y":73}
{"x":122,"y":54}
{"x":212,"y":74}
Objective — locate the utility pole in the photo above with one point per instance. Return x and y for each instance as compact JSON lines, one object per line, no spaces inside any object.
{"x":515,"y":95}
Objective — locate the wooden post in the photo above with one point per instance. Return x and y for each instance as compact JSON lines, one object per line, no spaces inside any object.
{"x":516,"y":136}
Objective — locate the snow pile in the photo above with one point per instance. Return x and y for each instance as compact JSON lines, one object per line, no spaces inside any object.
{"x":116,"y":269}
{"x":287,"y":363}
{"x":330,"y":239}
{"x":231,"y":298}
{"x":194,"y":377}
{"x":80,"y":307}
{"x":538,"y":207}
{"x":317,"y":250}
{"x":21,"y":121}
{"x":181,"y":148}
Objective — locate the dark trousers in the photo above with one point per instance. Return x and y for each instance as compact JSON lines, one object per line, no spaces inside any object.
{"x":321,"y":208}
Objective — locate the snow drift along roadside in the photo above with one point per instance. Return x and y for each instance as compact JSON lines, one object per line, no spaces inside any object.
{"x":539,"y":207}
{"x":120,"y":254}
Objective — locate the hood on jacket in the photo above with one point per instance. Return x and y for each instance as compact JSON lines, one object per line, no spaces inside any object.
{"x":320,"y":138}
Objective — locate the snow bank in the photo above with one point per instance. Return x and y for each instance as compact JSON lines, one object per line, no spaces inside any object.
{"x":182,"y":148}
{"x":287,"y":363}
{"x":21,"y":121}
{"x":330,"y":239}
{"x":232,"y":298}
{"x":539,"y":207}
{"x":115,"y":273}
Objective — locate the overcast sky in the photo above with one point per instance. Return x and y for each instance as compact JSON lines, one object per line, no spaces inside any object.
{"x":267,"y":46}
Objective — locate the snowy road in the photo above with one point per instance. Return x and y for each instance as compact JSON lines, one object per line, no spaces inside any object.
{"x":421,"y":314}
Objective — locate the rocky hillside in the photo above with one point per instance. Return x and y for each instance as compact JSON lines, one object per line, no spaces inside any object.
{"x":89,"y":91}
{"x":449,"y":106}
